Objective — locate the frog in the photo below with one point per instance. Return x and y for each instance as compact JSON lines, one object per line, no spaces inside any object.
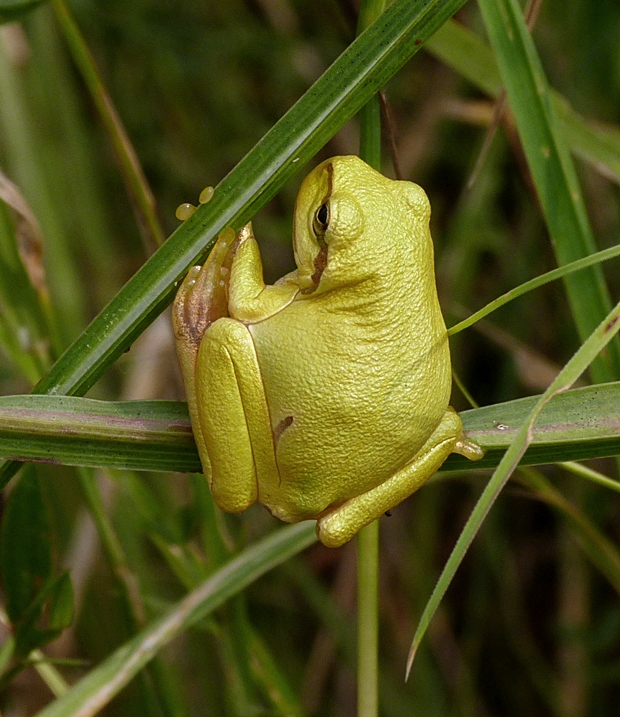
{"x":325,"y":395}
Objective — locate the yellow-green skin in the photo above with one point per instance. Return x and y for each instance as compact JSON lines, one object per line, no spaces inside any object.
{"x":326,"y":395}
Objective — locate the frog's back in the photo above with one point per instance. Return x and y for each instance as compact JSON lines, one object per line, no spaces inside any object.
{"x":358,"y":386}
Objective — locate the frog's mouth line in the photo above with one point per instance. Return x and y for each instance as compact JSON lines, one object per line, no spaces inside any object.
{"x":320,"y":262}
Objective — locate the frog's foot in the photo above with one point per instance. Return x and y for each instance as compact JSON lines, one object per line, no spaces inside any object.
{"x":202,"y":297}
{"x":469,"y":449}
{"x":338,"y":525}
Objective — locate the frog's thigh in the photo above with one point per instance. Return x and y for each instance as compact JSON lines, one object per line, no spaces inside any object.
{"x":341,"y":524}
{"x":233,"y":414}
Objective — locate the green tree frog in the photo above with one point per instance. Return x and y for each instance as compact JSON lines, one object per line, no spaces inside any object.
{"x":324,"y":396}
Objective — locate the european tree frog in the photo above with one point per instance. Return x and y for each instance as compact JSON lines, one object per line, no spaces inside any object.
{"x":325,"y":395}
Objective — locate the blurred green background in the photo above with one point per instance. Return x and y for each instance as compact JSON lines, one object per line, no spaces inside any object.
{"x":528,"y":627}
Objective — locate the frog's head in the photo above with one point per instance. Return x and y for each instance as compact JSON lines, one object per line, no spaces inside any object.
{"x":345,"y":211}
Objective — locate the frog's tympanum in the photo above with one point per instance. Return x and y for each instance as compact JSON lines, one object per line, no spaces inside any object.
{"x":325,"y":395}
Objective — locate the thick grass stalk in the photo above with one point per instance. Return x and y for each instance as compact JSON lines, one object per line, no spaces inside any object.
{"x":368,"y":538}
{"x":368,"y":621}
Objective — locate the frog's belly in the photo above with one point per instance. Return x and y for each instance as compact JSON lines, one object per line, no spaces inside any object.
{"x":343,"y":420}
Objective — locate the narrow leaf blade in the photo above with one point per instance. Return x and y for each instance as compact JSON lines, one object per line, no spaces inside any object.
{"x":552,"y":170}
{"x":94,"y":691}
{"x":595,"y":343}
{"x":25,"y":549}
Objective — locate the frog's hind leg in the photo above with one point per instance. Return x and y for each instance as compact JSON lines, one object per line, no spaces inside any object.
{"x":234,"y":416}
{"x":338,"y":525}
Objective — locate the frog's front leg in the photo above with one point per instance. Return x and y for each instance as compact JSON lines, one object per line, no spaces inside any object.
{"x":338,"y":525}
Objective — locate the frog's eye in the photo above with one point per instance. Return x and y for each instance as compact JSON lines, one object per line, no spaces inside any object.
{"x":321,"y":220}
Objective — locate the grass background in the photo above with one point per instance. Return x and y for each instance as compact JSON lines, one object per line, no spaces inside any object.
{"x":529,"y":626}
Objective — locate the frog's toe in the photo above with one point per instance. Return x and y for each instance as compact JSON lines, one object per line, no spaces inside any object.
{"x":469,"y":449}
{"x":336,"y":528}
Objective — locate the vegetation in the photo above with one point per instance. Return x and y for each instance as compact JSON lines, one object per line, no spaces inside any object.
{"x":124,"y":588}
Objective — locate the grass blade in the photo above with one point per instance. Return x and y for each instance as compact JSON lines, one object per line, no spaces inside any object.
{"x":595,"y":343}
{"x":81,"y":431}
{"x":96,"y":690}
{"x":336,"y":96}
{"x":471,"y":57}
{"x":534,"y":283}
{"x":138,"y":188}
{"x":551,"y":168}
{"x":24,"y":305}
{"x":156,"y":435}
{"x":329,"y":103}
{"x":601,"y":551}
